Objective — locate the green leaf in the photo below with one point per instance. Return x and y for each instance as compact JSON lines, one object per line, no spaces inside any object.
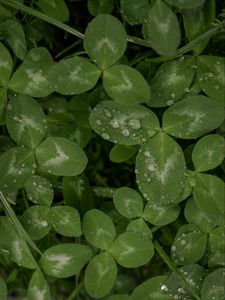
{"x":3,"y":289}
{"x":97,"y":7}
{"x":66,"y":220}
{"x":135,"y":11}
{"x":12,"y":32}
{"x":38,"y":288}
{"x":194,"y":214}
{"x":119,"y":297}
{"x":209,"y":194}
{"x":35,"y":221}
{"x":98,"y":229}
{"x":193,"y":117}
{"x":193,"y":274}
{"x":74,"y":75}
{"x":16,"y":167}
{"x":217,"y":239}
{"x":25,"y":120}
{"x":139,"y":226}
{"x":123,"y":124}
{"x":128,"y":202}
{"x":3,"y":104}
{"x":100,"y":275}
{"x":171,"y":81}
{"x":125,"y":85}
{"x":213,"y":285}
{"x":61,"y":157}
{"x":189,"y":245}
{"x":78,"y":193}
{"x":152,"y":288}
{"x":30,"y":77}
{"x":20,"y":253}
{"x":161,"y":29}
{"x":185,"y":6}
{"x":160,"y":170}
{"x":211,"y":76}
{"x":160,"y":215}
{"x":132,"y":250}
{"x":122,"y":153}
{"x":198,"y":23}
{"x":79,"y":107}
{"x":65,"y":260}
{"x":4,"y":13}
{"x":56,"y":9}
{"x":6,"y":65}
{"x":208,"y":152}
{"x":39,"y":190}
{"x":105,"y":40}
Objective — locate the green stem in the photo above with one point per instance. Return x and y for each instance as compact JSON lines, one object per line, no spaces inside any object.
{"x":76,"y":291}
{"x":68,"y":48}
{"x":174,"y":269}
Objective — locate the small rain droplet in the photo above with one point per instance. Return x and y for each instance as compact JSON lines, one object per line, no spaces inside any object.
{"x":114,"y":123}
{"x":125,"y":132}
{"x":105,"y":136}
{"x":99,"y":122}
{"x":134,"y":124}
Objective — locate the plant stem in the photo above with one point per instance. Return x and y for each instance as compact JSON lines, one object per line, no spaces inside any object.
{"x":76,"y":291}
{"x":104,"y":192}
{"x":68,"y":48}
{"x":174,"y":269}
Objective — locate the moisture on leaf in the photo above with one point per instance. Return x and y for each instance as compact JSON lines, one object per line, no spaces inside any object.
{"x":208,"y":152}
{"x":132,"y":250}
{"x":65,"y":260}
{"x":160,"y":170}
{"x":171,"y":81}
{"x":123,"y":124}
{"x":100,"y":275}
{"x":60,"y":156}
{"x":125,"y":85}
{"x":74,"y":75}
{"x":161,"y":29}
{"x":105,"y":40}
{"x":98,"y":229}
{"x":213,"y":285}
{"x":25,"y":121}
{"x":193,"y":117}
{"x":30,"y":77}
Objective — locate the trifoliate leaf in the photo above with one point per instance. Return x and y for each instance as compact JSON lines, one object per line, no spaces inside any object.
{"x":123,"y":124}
{"x":39,"y":190}
{"x":134,"y":11}
{"x":66,"y":220}
{"x":160,"y":215}
{"x":30,"y":77}
{"x":65,"y":260}
{"x":125,"y":85}
{"x":6,"y":65}
{"x":171,"y":81}
{"x":100,"y":275}
{"x":213,"y":285}
{"x":132,"y":250}
{"x":160,"y":170}
{"x":38,"y":288}
{"x":193,"y":117}
{"x":98,"y":229}
{"x":211,"y":76}
{"x":25,"y":120}
{"x":161,"y":29}
{"x":61,"y":157}
{"x":12,"y":32}
{"x":208,"y":152}
{"x":56,"y":9}
{"x":189,"y":245}
{"x":73,"y":75}
{"x":128,"y":202}
{"x":17,"y":165}
{"x":105,"y":40}
{"x":35,"y":221}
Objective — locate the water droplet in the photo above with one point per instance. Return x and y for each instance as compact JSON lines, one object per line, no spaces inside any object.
{"x":183,"y":242}
{"x":114,"y":123}
{"x":170,"y":102}
{"x":164,"y":288}
{"x":187,"y":90}
{"x":107,"y":113}
{"x":173,"y":95}
{"x":125,"y":132}
{"x":151,"y":167}
{"x":99,"y":122}
{"x":105,"y":136}
{"x":181,"y":290}
{"x":134,"y":124}
{"x":9,"y":106}
{"x":173,"y":248}
{"x":145,"y":195}
{"x":147,"y":154}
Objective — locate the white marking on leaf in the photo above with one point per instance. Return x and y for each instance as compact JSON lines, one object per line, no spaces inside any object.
{"x":4,"y":64}
{"x":105,"y":42}
{"x":59,"y":159}
{"x":17,"y":249}
{"x":38,"y":294}
{"x":126,"y":84}
{"x":25,"y":122}
{"x":60,"y":261}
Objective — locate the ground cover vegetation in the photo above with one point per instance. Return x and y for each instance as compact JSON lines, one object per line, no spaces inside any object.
{"x":112,"y":149}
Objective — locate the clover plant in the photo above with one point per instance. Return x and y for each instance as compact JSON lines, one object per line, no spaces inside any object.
{"x":112,"y":149}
